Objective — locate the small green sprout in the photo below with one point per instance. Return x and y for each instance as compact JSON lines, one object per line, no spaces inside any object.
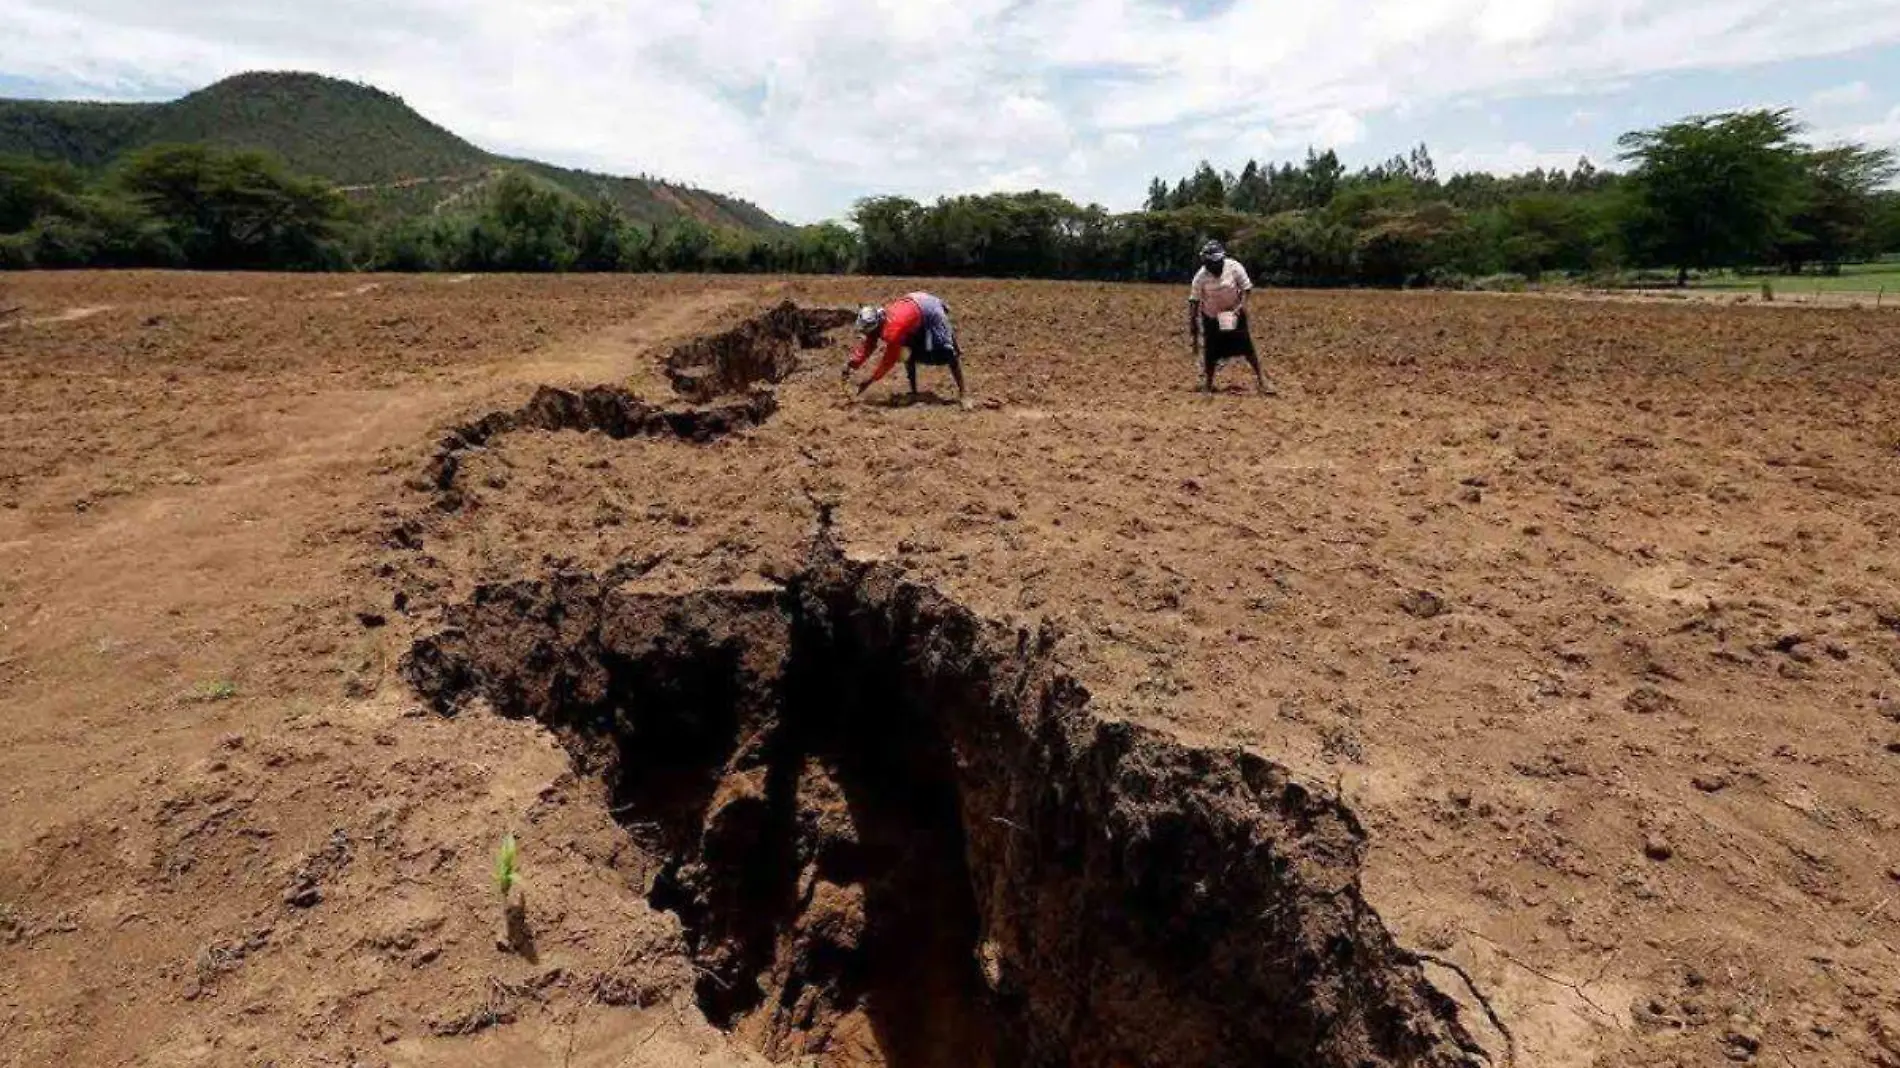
{"x":214,"y":690}
{"x":507,"y":869}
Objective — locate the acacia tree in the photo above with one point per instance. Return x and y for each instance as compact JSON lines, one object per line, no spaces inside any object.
{"x":1837,"y":218}
{"x":30,"y":188}
{"x":886,"y":226}
{"x":1886,"y":222}
{"x":235,"y":209}
{"x":1714,"y":190}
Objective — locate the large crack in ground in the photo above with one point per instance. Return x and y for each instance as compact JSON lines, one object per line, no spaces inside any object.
{"x":897,"y":834}
{"x":726,"y":377}
{"x":761,"y":349}
{"x":608,"y":410}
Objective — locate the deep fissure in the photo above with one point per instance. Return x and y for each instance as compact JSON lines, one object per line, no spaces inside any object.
{"x":896,"y":833}
{"x":726,"y":377}
{"x":762,"y":349}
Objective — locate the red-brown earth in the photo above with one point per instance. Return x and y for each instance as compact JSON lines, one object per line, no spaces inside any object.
{"x":1577,"y":623}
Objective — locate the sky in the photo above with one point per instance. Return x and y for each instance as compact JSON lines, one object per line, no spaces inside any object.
{"x":804,"y":106}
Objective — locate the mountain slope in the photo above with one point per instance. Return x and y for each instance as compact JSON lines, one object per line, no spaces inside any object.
{"x":350,"y":134}
{"x":380,"y":150}
{"x":86,"y":134}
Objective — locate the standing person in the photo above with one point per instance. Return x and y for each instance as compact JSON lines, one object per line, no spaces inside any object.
{"x":1217,"y":308}
{"x":915,"y":327}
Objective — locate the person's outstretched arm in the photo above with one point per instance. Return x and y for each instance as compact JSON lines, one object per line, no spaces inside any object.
{"x":892,"y":351}
{"x":860,"y":354}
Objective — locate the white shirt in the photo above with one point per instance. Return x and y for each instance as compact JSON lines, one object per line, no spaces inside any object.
{"x":1221,"y":294}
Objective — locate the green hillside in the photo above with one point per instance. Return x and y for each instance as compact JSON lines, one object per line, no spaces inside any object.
{"x":385,"y":155}
{"x":88,"y":135}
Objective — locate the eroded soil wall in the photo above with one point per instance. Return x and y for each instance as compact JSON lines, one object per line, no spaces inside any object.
{"x":896,"y":833}
{"x":763,"y":349}
{"x":726,"y":376}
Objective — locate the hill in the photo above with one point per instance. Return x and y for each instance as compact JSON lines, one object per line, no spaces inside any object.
{"x":378,"y":149}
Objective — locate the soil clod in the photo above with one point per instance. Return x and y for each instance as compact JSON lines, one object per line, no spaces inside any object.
{"x":1422,"y":604}
{"x":1650,"y":701}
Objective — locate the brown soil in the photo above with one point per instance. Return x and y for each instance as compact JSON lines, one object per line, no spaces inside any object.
{"x":1537,"y":654}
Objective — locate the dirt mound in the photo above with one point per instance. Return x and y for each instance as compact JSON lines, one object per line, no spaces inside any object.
{"x":896,"y":833}
{"x":761,"y":349}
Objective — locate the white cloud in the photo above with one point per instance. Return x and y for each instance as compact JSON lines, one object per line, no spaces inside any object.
{"x":1515,"y":21}
{"x":1513,"y":158}
{"x":1016,"y":180}
{"x":805,"y":104}
{"x":1842,"y":95}
{"x":1337,"y":128}
{"x":1882,"y":133}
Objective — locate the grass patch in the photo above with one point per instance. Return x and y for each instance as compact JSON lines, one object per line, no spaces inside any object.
{"x":1868,"y":278}
{"x":213,"y":690}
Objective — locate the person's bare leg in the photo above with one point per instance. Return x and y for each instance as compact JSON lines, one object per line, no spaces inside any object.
{"x":1259,"y":379}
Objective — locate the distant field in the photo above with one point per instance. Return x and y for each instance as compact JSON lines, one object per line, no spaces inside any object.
{"x":1854,"y":278}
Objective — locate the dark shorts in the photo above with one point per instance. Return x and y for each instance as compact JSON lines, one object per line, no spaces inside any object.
{"x":916,"y":353}
{"x":1218,"y":345}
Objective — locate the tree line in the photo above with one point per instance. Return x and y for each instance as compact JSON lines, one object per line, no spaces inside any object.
{"x":194,"y":206}
{"x":1734,"y":190}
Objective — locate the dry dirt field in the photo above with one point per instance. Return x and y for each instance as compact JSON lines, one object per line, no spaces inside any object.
{"x":1520,"y":686}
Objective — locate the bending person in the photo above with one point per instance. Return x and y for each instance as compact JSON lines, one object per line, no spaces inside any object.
{"x":915,"y":328}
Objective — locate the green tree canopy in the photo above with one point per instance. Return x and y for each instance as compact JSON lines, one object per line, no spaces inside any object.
{"x":1837,"y":218}
{"x":30,"y":188}
{"x":235,"y":209}
{"x":1714,"y":190}
{"x":1885,"y":225}
{"x":1206,"y":188}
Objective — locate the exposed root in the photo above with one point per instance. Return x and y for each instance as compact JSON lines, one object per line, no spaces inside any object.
{"x":1484,"y":1002}
{"x":897,"y":834}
